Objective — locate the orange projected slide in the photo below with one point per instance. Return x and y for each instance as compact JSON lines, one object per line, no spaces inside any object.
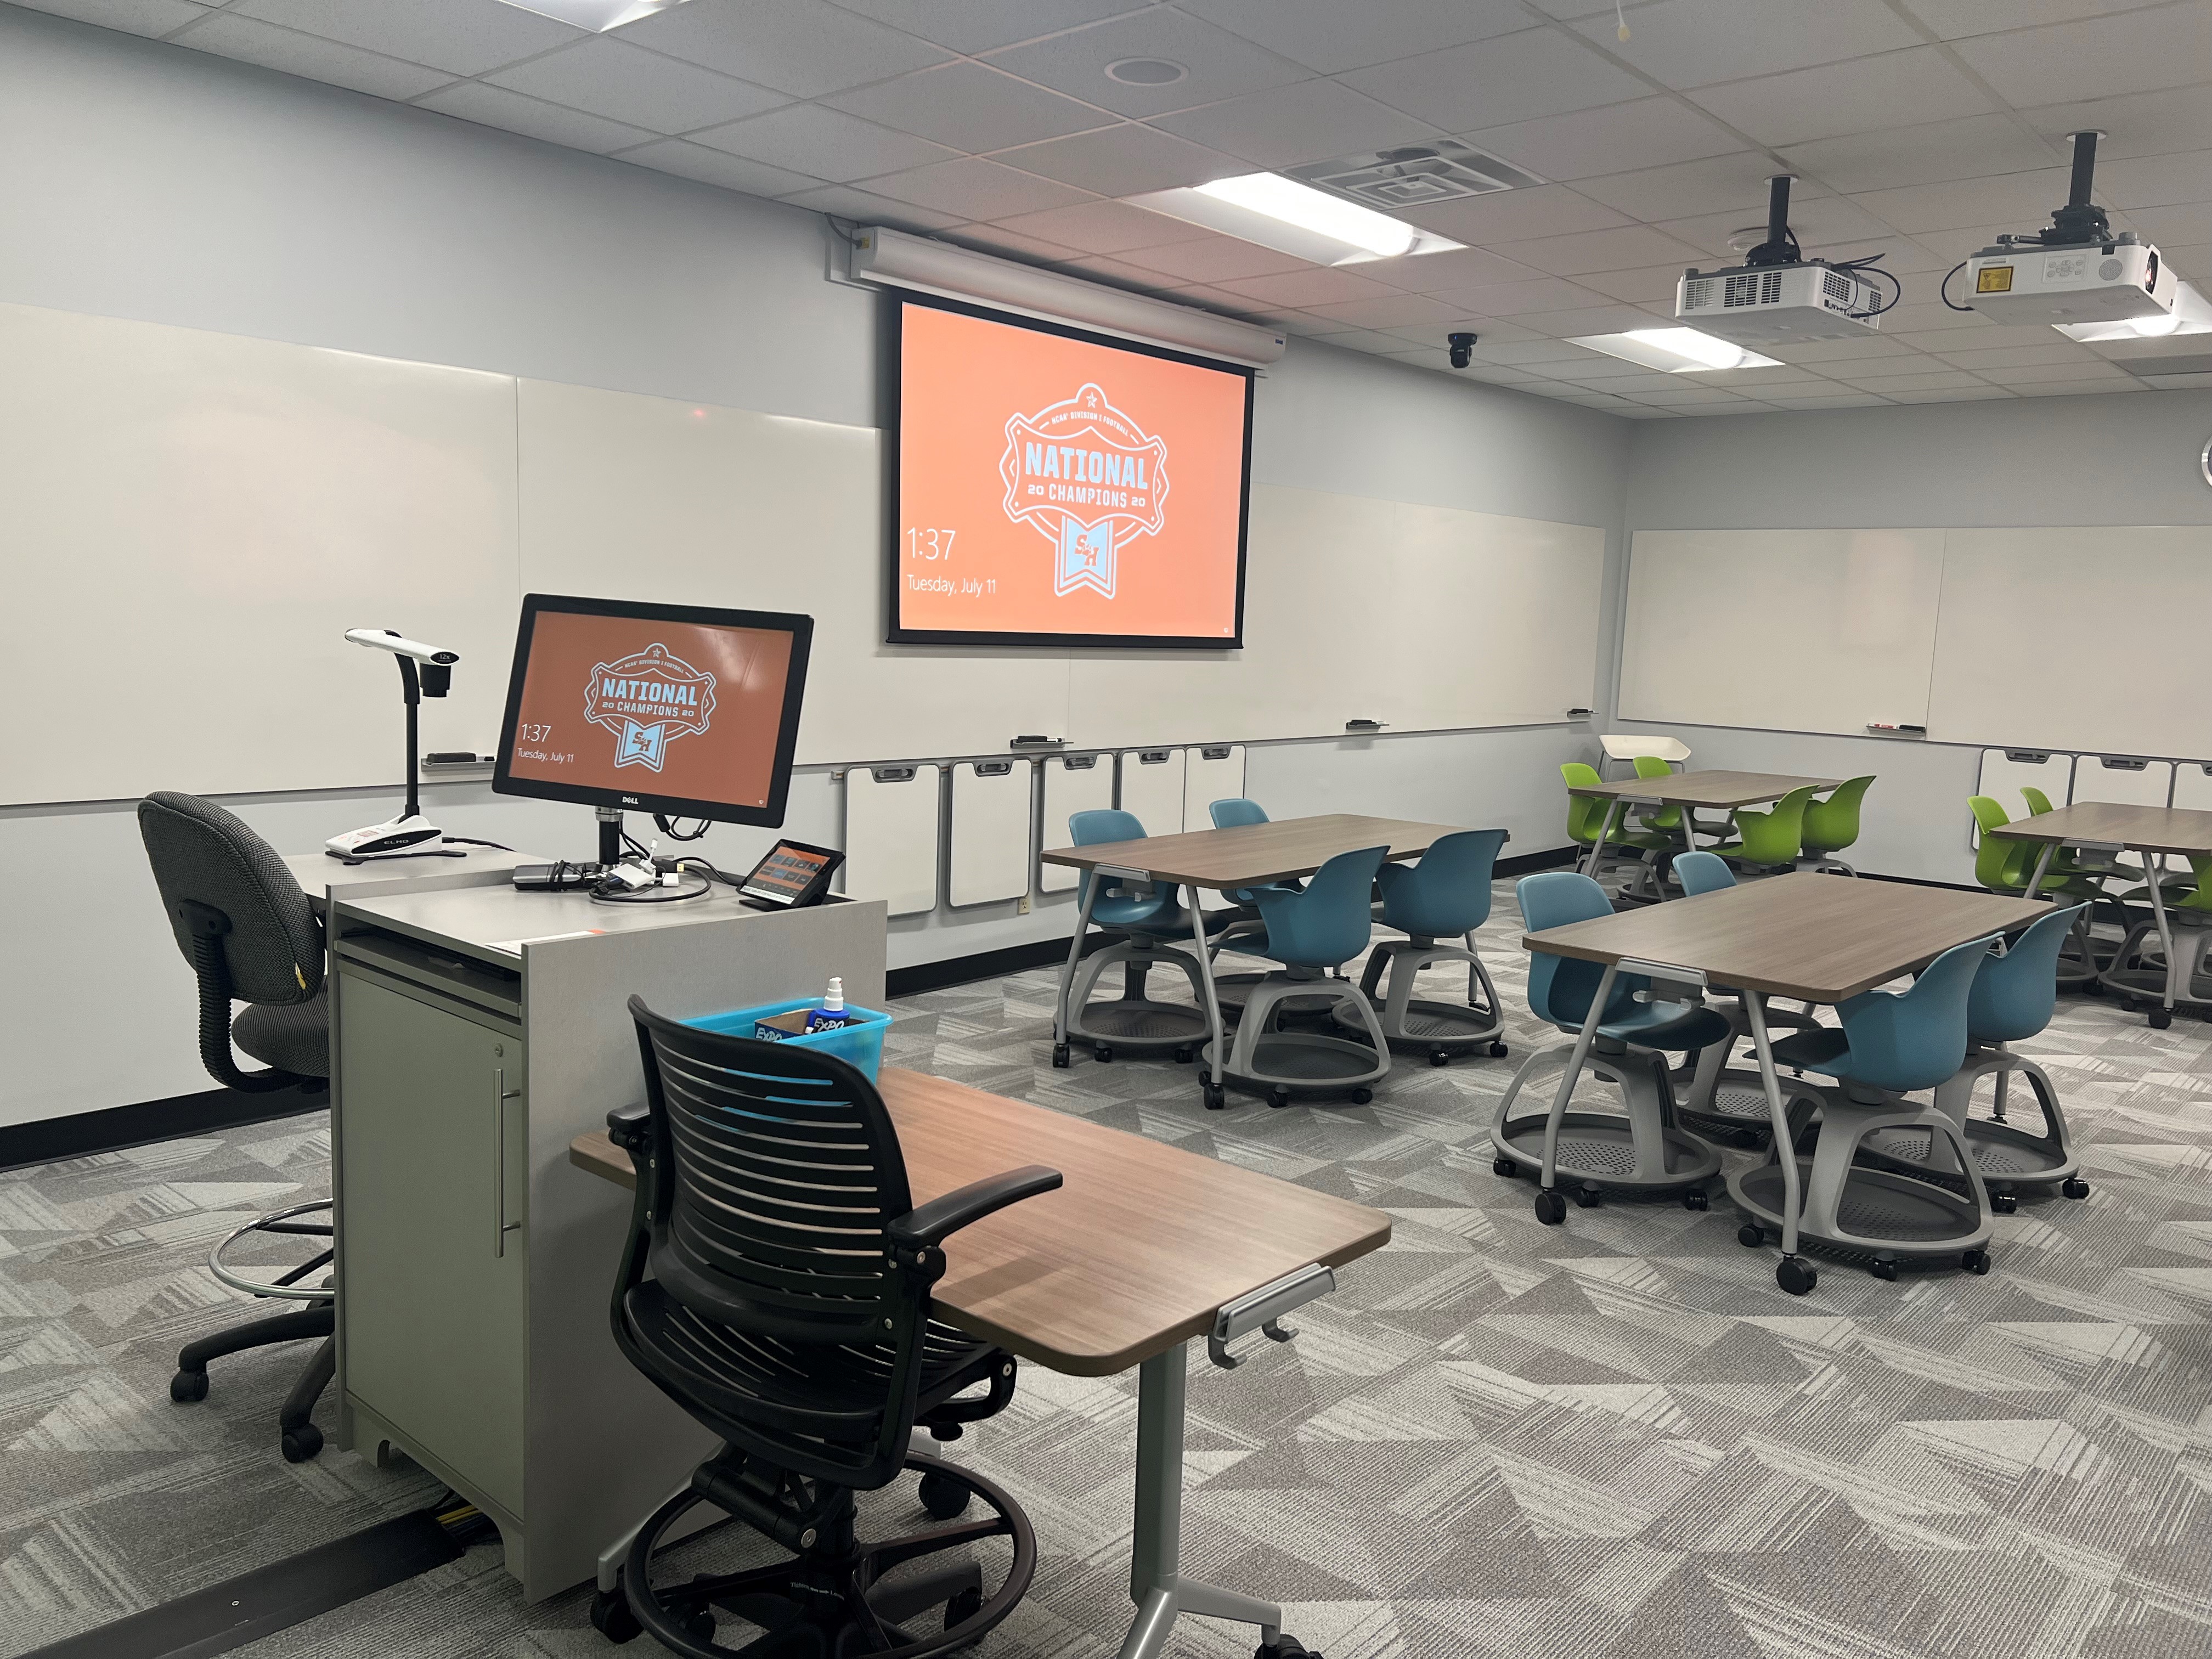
{"x":1057,"y":490}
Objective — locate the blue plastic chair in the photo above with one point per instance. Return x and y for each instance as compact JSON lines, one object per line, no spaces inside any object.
{"x":1445,"y":895}
{"x":1331,"y":921}
{"x":1310,"y":933}
{"x":1896,"y":1041}
{"x":2015,"y":995}
{"x":1140,"y":926}
{"x":1153,"y":912}
{"x":1560,"y":987}
{"x":1235,"y":812}
{"x":1703,"y":872}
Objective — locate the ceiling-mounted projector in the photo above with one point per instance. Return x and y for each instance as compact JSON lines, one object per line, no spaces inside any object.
{"x":1778,"y":297}
{"x":2075,"y":270}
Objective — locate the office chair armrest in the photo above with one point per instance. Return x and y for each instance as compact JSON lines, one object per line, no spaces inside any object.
{"x":933,"y":1223}
{"x":626,"y":1125}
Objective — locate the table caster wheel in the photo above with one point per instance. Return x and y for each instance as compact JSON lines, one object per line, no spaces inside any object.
{"x":611,"y":1617}
{"x":1060,"y":1056}
{"x":1797,"y":1275}
{"x":1589,"y":1197}
{"x":1975,"y":1262}
{"x":942,"y":1496}
{"x":301,"y":1443}
{"x":2075,"y":1186}
{"x":1361,"y":1097}
{"x":1498,"y":1051}
{"x":963,"y":1607}
{"x":1505,"y":1167}
{"x":1882,"y":1267}
{"x":2003,"y":1203}
{"x":2161,"y":1019}
{"x":1749,"y":1237}
{"x":1279,"y":1098}
{"x":1439,"y":1056}
{"x":1551,"y":1208}
{"x":1103,"y":1053}
{"x":186,"y":1386}
{"x":1184,"y":1055}
{"x":1216,"y":1097}
{"x":1694,"y":1200}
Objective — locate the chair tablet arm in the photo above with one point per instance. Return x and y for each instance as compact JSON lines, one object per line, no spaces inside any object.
{"x":626,"y":1125}
{"x":933,"y":1223}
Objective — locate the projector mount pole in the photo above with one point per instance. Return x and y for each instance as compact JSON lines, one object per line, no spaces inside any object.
{"x":2081,"y":219}
{"x":1777,"y":249}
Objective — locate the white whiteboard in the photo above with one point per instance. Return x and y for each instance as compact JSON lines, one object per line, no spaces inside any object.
{"x":991,"y":854}
{"x":1215,"y":772}
{"x":1795,"y":630}
{"x":1072,"y":784}
{"x":890,"y":839}
{"x":1151,"y":787}
{"x":192,"y":521}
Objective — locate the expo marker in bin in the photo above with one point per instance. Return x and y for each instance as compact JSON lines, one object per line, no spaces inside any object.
{"x":859,"y":1043}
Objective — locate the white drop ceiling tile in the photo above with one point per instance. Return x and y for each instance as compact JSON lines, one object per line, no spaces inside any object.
{"x":463,"y":37}
{"x":1645,"y":132}
{"x":1508,"y":215}
{"x":804,"y":47}
{"x":2140,"y":124}
{"x":146,"y":18}
{"x":1720,"y":184}
{"x":975,"y":188}
{"x":1834,"y":356}
{"x":2149,"y":181}
{"x":1863,"y":94}
{"x":1209,"y":298}
{"x":972,"y":25}
{"x":970,"y":107}
{"x":1920,"y":313}
{"x":1431,"y":334}
{"x":1947,"y":247}
{"x":1514,"y":299}
{"x":1364,"y":339}
{"x":1613,"y":373}
{"x":1390,"y":311}
{"x":2051,"y":373}
{"x":1955,"y":20}
{"x":1214,"y":258}
{"x":1963,"y":394}
{"x":1117,"y":272}
{"x":1842,"y":400}
{"x":1643,"y":285}
{"x":1972,"y":336}
{"x":1969,"y":146}
{"x":1330,"y":36}
{"x":496,"y":106}
{"x":1107,"y":228}
{"x":711,"y":167}
{"x":1454,"y":268}
{"x":1912,"y":209}
{"x":1494,"y":375}
{"x":826,"y":144}
{"x":1687,"y":396}
{"x":1636,"y":380}
{"x":2135,"y":52}
{"x":870,"y":208}
{"x":1124,"y":161}
{"x":612,"y":78}
{"x":1622,"y":249}
{"x":1217,"y":63}
{"x":287,"y":50}
{"x":2059,"y":350}
{"x":1303,"y":290}
{"x":1592,"y":319}
{"x":1493,"y":83}
{"x":2182,"y":225}
{"x":2077,"y":388}
{"x":1693,"y":43}
{"x":1825,"y":226}
{"x":1538,"y":357}
{"x":1305,"y":121}
{"x":1932,"y":378}
{"x":1012,"y":244}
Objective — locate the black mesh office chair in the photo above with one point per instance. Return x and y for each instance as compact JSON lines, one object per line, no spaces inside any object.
{"x":787,"y":1310}
{"x":251,"y":937}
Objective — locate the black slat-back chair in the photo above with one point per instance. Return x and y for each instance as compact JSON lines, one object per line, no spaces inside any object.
{"x":776,"y":1285}
{"x":250,"y":936}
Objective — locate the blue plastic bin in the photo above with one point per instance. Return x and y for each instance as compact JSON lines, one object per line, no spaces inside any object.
{"x":859,"y":1044}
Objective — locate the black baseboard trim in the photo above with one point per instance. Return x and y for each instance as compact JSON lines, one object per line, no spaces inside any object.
{"x":1923,"y":881}
{"x":82,"y":1134}
{"x":285,"y":1593}
{"x":1526,"y":863}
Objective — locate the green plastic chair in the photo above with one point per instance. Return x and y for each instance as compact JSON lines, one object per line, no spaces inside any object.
{"x":2037,"y":802}
{"x":2005,"y":865}
{"x":1775,"y":836}
{"x":1586,"y":813}
{"x":1832,"y":825}
{"x":1664,"y":817}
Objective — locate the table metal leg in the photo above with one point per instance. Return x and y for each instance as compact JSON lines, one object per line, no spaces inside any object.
{"x":1573,"y":1073}
{"x":1091,"y":884}
{"x":1206,"y":980}
{"x":1754,"y":1006}
{"x":2154,"y":869}
{"x":1156,"y":1582}
{"x":2042,"y":867}
{"x":1604,"y":829}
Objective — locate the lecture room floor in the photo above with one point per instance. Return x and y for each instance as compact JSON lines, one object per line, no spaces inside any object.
{"x":1612,"y":1438}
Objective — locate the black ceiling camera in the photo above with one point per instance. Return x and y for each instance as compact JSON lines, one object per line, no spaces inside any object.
{"x":1462,"y":348}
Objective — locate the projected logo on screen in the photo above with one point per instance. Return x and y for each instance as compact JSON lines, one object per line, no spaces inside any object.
{"x":648,"y":700}
{"x":1088,"y":479}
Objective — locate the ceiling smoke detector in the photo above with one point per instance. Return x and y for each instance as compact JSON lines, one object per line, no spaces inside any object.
{"x":1146,"y":72}
{"x":1414,"y":175}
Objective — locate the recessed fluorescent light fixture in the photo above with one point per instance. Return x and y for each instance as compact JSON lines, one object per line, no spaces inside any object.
{"x":2191,"y":314}
{"x":1677,"y":350}
{"x":1295,"y":219}
{"x":596,"y":15}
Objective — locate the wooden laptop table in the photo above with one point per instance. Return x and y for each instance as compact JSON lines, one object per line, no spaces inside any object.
{"x":1139,"y":1253}
{"x":2111,"y":827}
{"x":1814,"y":937}
{"x":1249,"y":855}
{"x":1722,"y":791}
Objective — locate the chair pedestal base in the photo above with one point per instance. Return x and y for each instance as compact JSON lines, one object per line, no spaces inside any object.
{"x":1134,"y":1021}
{"x":1730,"y":1102}
{"x":1640,"y":1149}
{"x":1440,"y":1030}
{"x":2164,"y":978}
{"x":1284,"y":1064}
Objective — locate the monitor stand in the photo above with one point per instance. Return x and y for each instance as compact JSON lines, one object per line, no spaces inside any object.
{"x":611,"y":835}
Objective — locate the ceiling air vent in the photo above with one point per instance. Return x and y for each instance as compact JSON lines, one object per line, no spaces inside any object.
{"x":1414,"y":175}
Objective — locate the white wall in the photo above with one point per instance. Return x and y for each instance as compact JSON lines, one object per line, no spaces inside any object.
{"x":153,"y":182}
{"x":2119,"y":458}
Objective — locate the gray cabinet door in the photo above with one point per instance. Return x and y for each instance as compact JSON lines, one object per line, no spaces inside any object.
{"x":432,"y":1299}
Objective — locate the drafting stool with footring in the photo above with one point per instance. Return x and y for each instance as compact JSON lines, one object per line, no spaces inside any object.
{"x":785,"y":1307}
{"x":250,"y":935}
{"x":1718,"y":1099}
{"x":1144,"y":928}
{"x":1640,"y":1149}
{"x":1447,"y":894}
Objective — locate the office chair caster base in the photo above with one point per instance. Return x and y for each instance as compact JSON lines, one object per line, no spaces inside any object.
{"x":611,"y":1617}
{"x":1975,"y":1262}
{"x":1551,"y":1208}
{"x":186,"y":1387}
{"x":1103,"y":1053}
{"x":2160,"y":1018}
{"x":1187,"y":1053}
{"x":1498,"y":1051}
{"x":1695,"y":1198}
{"x":1877,"y":1213}
{"x":1060,"y":1057}
{"x":1361,"y":1097}
{"x":1797,"y":1275}
{"x":1589,"y":1196}
{"x":2074,"y":1188}
{"x":944,"y":1499}
{"x":1750,"y":1237}
{"x":1884,"y":1267}
{"x":1505,"y":1167}
{"x":2003,"y":1203}
{"x":1284,"y":1647}
{"x":1278,"y":1098}
{"x":1597,"y":1154}
{"x":301,"y":1443}
{"x":1215,"y":1095}
{"x":1440,"y":1057}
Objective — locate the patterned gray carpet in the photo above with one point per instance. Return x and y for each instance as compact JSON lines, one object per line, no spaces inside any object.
{"x":1611,"y":1438}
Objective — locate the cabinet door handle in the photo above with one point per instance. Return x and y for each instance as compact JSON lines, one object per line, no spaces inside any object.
{"x":500,"y":1225}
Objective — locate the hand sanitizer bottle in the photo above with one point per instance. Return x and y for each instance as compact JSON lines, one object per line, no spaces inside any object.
{"x":832,"y":1013}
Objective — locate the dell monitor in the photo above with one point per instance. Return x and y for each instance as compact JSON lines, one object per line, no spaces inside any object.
{"x":681,"y":711}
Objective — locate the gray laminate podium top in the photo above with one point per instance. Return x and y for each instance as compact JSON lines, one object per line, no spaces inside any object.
{"x":321,"y":875}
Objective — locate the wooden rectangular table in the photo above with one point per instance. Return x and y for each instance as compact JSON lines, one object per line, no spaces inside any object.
{"x":1820,"y":937}
{"x":1248,"y":855}
{"x":2111,"y":826}
{"x":1688,"y":790}
{"x":1133,"y":1257}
